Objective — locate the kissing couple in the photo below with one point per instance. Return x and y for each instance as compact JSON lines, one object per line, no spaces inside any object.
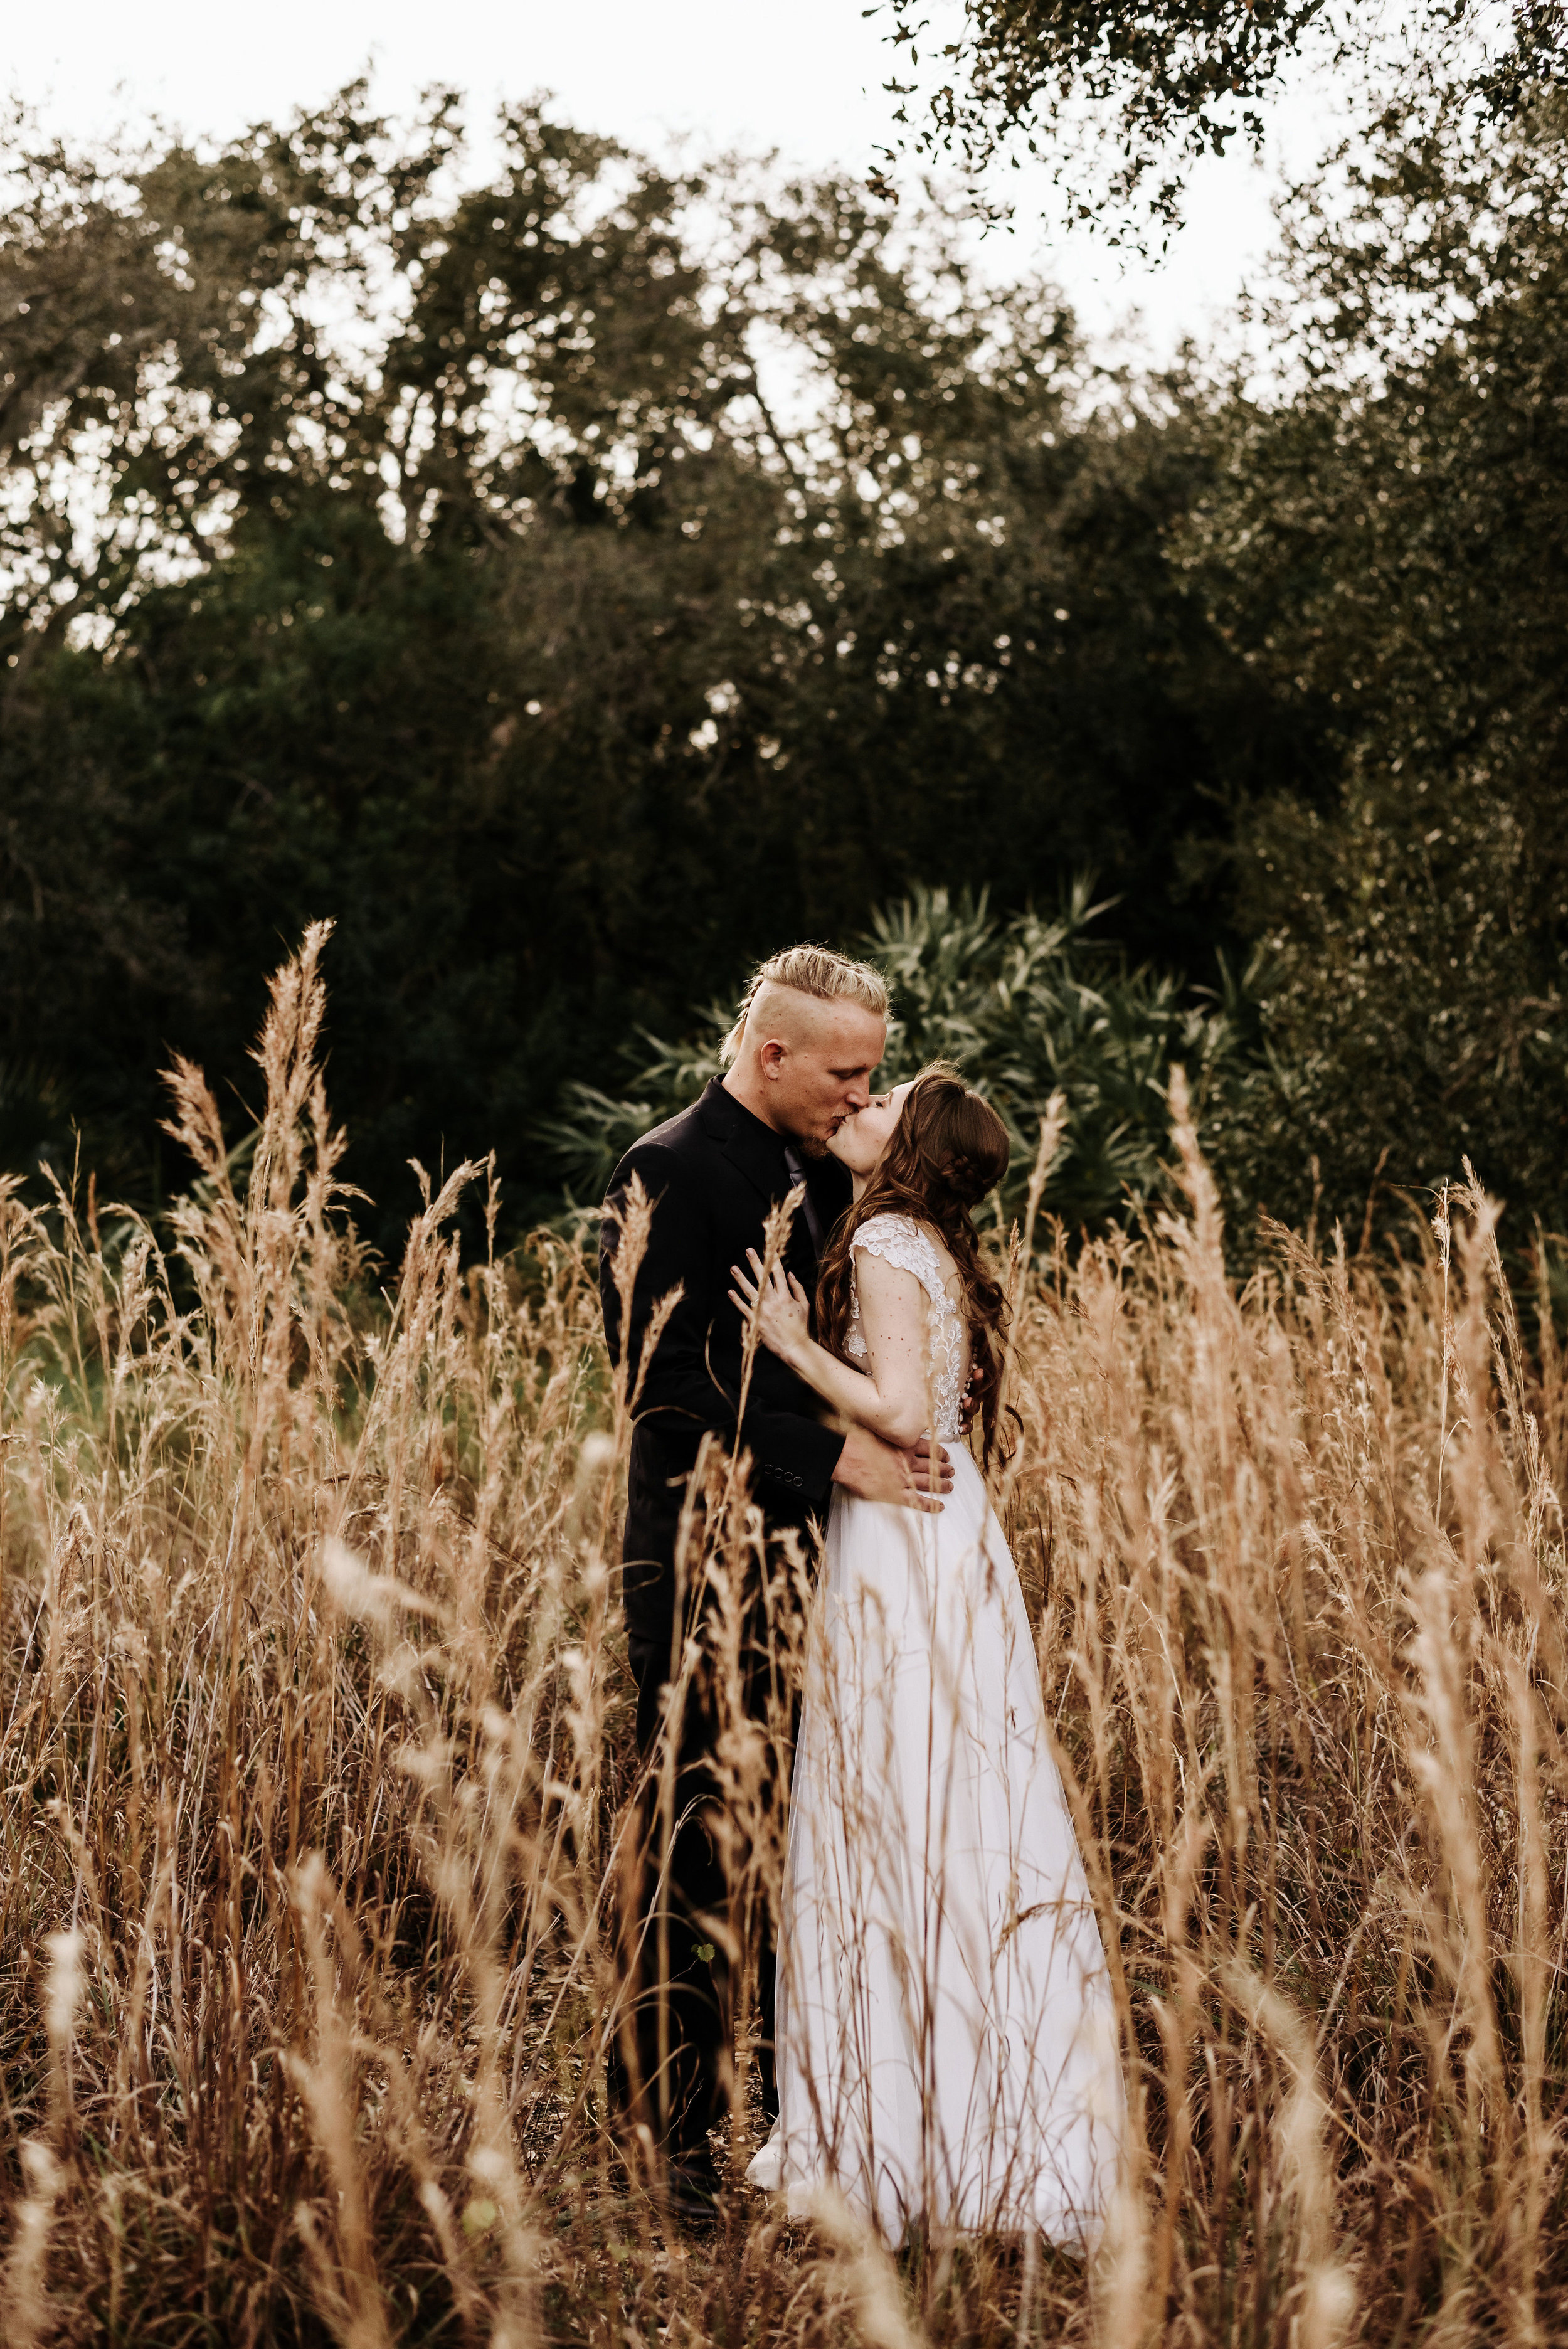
{"x":938,"y":2041}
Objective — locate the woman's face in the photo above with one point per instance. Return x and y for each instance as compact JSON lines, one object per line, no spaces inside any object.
{"x":862,"y":1139}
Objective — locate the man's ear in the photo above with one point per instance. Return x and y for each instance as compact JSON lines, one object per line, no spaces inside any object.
{"x":772,"y":1057}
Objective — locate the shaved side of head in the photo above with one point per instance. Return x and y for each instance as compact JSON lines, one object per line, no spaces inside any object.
{"x":802,"y":1057}
{"x":813,"y":972}
{"x":791,"y":1017}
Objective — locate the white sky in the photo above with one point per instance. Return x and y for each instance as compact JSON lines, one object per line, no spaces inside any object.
{"x":805,"y":78}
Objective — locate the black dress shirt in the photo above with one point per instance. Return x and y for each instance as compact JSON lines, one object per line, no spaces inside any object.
{"x":713,"y":1172}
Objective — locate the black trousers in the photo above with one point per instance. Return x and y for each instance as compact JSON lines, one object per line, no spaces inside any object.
{"x":684,"y":2065}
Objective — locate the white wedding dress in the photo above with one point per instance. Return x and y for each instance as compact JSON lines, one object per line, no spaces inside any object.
{"x":947,"y":2038}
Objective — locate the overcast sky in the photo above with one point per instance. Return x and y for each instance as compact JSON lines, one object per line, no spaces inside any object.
{"x":805,"y":78}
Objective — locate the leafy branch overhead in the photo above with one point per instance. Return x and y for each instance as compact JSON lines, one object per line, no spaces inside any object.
{"x":1159,"y":82}
{"x":550,"y":580}
{"x":579,"y":583}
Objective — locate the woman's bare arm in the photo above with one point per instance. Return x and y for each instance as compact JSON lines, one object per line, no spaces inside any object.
{"x":894,"y":1399}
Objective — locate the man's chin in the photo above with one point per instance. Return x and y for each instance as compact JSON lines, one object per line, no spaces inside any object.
{"x":812,"y":1145}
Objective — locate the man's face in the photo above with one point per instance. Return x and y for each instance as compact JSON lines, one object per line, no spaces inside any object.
{"x":820,"y":1073}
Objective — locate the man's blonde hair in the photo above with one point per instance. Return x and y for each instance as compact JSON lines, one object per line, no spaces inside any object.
{"x":809,"y":970}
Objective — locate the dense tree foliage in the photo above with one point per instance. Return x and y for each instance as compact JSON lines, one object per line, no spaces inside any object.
{"x":1031,"y":1008}
{"x":1389,"y":548}
{"x":1380,"y":537}
{"x":579,"y":586}
{"x":572,"y":588}
{"x":1147,"y":86}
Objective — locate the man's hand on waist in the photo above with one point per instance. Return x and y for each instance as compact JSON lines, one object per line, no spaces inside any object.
{"x":911,"y":1477}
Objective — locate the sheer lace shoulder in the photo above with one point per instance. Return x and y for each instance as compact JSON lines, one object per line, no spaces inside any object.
{"x":900,"y":1240}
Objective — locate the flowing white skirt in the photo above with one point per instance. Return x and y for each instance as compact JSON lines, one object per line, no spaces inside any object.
{"x":947,"y":2042}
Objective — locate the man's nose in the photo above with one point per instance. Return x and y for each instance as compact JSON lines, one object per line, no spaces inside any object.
{"x":857,"y":1097}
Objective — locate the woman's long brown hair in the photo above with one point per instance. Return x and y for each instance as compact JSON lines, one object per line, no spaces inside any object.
{"x":948,"y":1149}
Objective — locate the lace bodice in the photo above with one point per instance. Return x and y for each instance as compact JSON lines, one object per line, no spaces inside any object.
{"x":900,"y":1240}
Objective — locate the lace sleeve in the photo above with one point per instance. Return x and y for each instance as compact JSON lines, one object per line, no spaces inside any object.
{"x":900,"y":1241}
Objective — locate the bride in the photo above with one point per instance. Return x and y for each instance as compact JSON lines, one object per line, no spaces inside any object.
{"x":947,"y":2044}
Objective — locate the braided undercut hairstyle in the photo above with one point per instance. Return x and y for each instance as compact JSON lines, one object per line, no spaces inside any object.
{"x":809,"y":970}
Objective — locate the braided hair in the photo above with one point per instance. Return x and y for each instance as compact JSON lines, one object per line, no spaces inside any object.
{"x":809,"y":970}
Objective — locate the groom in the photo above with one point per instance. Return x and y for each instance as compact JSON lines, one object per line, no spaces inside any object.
{"x":800,"y":1060}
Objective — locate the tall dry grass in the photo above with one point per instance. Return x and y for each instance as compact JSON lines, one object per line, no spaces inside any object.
{"x":317,"y":1786}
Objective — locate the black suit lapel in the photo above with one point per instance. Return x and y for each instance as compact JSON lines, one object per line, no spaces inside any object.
{"x":831,"y":1192}
{"x":747,"y":1143}
{"x":758,"y":1152}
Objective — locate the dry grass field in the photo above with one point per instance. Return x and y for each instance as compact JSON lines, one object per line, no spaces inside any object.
{"x":316,"y":1759}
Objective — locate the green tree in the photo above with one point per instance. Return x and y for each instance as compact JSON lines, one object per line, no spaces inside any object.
{"x":1028,"y":1006}
{"x":451,"y":568}
{"x":1387,"y":546}
{"x":1164,"y":81}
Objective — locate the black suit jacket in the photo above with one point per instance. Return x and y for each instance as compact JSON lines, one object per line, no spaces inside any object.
{"x":713,"y":1174}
